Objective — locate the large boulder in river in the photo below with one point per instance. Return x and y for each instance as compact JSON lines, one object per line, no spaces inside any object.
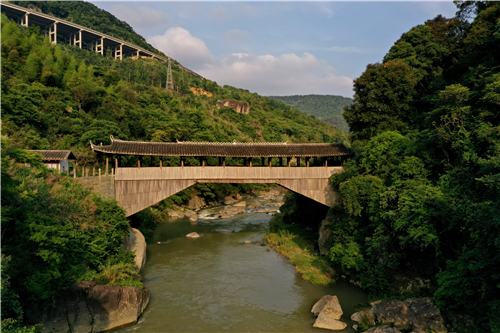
{"x":193,"y":235}
{"x":428,"y":316}
{"x":196,"y":202}
{"x":416,"y":314}
{"x":256,"y":204}
{"x":173,"y":213}
{"x":395,"y":312}
{"x":329,"y":311}
{"x":136,"y":243}
{"x":231,"y":210}
{"x":240,"y":204}
{"x":229,"y":200}
{"x":193,"y":217}
{"x":89,"y":307}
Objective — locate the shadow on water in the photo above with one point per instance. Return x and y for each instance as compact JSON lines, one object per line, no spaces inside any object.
{"x":218,"y":283}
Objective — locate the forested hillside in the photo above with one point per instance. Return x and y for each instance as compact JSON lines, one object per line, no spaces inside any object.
{"x":421,"y":197}
{"x":327,"y":108}
{"x":61,"y":97}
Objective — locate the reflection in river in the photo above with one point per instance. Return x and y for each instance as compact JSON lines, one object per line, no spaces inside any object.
{"x":218,"y":283}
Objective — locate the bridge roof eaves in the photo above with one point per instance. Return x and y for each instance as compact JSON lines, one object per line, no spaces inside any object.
{"x":223,"y":149}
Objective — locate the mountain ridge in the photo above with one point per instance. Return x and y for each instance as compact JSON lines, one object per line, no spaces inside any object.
{"x":327,"y":108}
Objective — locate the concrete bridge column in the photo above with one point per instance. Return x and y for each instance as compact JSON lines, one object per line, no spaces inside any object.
{"x":76,"y":39}
{"x":99,"y":46}
{"x":53,"y":33}
{"x":24,"y":20}
{"x":119,"y":52}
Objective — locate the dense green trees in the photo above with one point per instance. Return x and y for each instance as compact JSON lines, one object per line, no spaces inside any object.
{"x":54,"y":234}
{"x":422,"y":194}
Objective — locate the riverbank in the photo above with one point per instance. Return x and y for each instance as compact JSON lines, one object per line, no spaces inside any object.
{"x":297,"y":244}
{"x":220,"y":283}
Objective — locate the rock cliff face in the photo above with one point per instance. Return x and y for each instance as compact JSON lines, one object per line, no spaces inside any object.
{"x":136,"y":243}
{"x":239,"y":107}
{"x":88,"y":307}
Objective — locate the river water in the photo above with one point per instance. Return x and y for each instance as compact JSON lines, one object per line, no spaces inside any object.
{"x":217,"y":283}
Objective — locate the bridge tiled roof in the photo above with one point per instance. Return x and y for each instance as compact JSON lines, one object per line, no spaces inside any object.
{"x":55,"y":155}
{"x":223,"y":149}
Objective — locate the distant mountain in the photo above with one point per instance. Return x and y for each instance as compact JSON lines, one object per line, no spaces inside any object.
{"x":327,"y":108}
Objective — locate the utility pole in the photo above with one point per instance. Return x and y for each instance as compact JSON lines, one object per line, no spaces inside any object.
{"x":170,"y":80}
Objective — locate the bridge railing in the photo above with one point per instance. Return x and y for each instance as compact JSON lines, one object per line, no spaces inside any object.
{"x":218,"y":173}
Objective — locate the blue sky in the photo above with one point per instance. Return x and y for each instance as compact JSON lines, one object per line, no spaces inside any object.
{"x":277,"y":48}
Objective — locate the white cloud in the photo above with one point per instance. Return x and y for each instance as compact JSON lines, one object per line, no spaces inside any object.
{"x":236,"y":34}
{"x":177,"y":42}
{"x":141,"y":17}
{"x":287,"y":74}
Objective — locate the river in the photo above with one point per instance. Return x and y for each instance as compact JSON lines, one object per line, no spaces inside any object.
{"x":217,"y":283}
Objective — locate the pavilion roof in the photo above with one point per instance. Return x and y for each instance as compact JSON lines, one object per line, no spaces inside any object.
{"x":223,"y":149}
{"x":55,"y":155}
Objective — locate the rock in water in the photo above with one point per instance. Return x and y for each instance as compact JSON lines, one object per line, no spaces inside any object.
{"x":229,"y":200}
{"x":395,"y":312}
{"x":193,"y":217}
{"x":226,"y":231}
{"x":326,"y":322}
{"x":136,"y":243}
{"x":193,"y":235}
{"x":90,"y":307}
{"x":329,"y":311}
{"x":417,"y":314}
{"x":196,"y":202}
{"x":256,"y":204}
{"x":231,"y":210}
{"x":173,"y":213}
{"x":240,"y":204}
{"x":248,"y":241}
{"x":319,"y":305}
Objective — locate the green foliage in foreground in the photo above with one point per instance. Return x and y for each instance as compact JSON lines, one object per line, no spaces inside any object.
{"x":54,"y":234}
{"x":422,"y":194}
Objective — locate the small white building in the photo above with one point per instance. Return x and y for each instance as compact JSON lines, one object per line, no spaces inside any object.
{"x":56,"y":159}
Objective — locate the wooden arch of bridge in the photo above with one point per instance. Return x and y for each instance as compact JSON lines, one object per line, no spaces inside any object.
{"x":137,"y":188}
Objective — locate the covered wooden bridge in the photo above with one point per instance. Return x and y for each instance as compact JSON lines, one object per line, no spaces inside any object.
{"x":139,"y":187}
